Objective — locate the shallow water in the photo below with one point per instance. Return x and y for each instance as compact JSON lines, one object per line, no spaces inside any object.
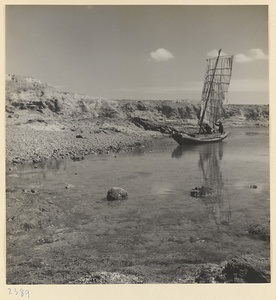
{"x":160,"y":224}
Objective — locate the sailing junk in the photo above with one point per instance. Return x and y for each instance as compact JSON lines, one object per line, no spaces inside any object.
{"x":216,"y":83}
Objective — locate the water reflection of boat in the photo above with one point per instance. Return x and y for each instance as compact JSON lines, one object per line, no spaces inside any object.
{"x":209,"y":166}
{"x":210,"y":157}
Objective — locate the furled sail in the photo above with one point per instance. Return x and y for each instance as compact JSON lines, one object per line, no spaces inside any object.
{"x":216,"y":83}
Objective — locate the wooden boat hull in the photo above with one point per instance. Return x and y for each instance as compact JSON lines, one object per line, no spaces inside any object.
{"x":187,"y":138}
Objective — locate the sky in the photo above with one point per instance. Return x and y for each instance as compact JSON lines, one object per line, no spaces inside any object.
{"x":139,"y":52}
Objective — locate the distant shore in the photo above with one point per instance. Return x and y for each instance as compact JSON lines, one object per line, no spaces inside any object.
{"x":43,"y":123}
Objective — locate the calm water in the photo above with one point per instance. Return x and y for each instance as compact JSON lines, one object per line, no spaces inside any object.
{"x":160,"y":223}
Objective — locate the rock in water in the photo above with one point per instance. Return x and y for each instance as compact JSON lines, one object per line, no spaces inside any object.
{"x":200,"y":192}
{"x":253,"y":186}
{"x":77,"y":158}
{"x":68,"y":186}
{"x":116,"y":193}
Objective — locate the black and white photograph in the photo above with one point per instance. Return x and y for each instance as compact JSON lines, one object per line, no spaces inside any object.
{"x":137,"y":145}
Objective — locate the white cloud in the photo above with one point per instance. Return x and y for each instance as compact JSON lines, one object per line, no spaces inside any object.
{"x":161,"y":55}
{"x":214,"y":53}
{"x":251,"y":55}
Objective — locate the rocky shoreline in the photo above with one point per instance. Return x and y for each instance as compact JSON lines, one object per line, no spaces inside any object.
{"x":43,"y":123}
{"x":34,"y":142}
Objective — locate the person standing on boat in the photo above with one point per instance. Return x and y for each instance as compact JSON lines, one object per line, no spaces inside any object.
{"x":207,"y":129}
{"x":220,"y":127}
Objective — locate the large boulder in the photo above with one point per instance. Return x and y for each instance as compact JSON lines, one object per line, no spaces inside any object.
{"x":247,"y":269}
{"x":116,"y":193}
{"x":201,"y":192}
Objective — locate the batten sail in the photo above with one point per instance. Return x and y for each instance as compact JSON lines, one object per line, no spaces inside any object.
{"x":215,"y":88}
{"x":216,"y":83}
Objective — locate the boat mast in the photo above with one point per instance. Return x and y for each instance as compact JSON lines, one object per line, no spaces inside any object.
{"x":209,"y":92}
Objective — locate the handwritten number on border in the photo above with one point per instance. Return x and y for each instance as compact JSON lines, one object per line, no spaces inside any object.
{"x":22,"y":292}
